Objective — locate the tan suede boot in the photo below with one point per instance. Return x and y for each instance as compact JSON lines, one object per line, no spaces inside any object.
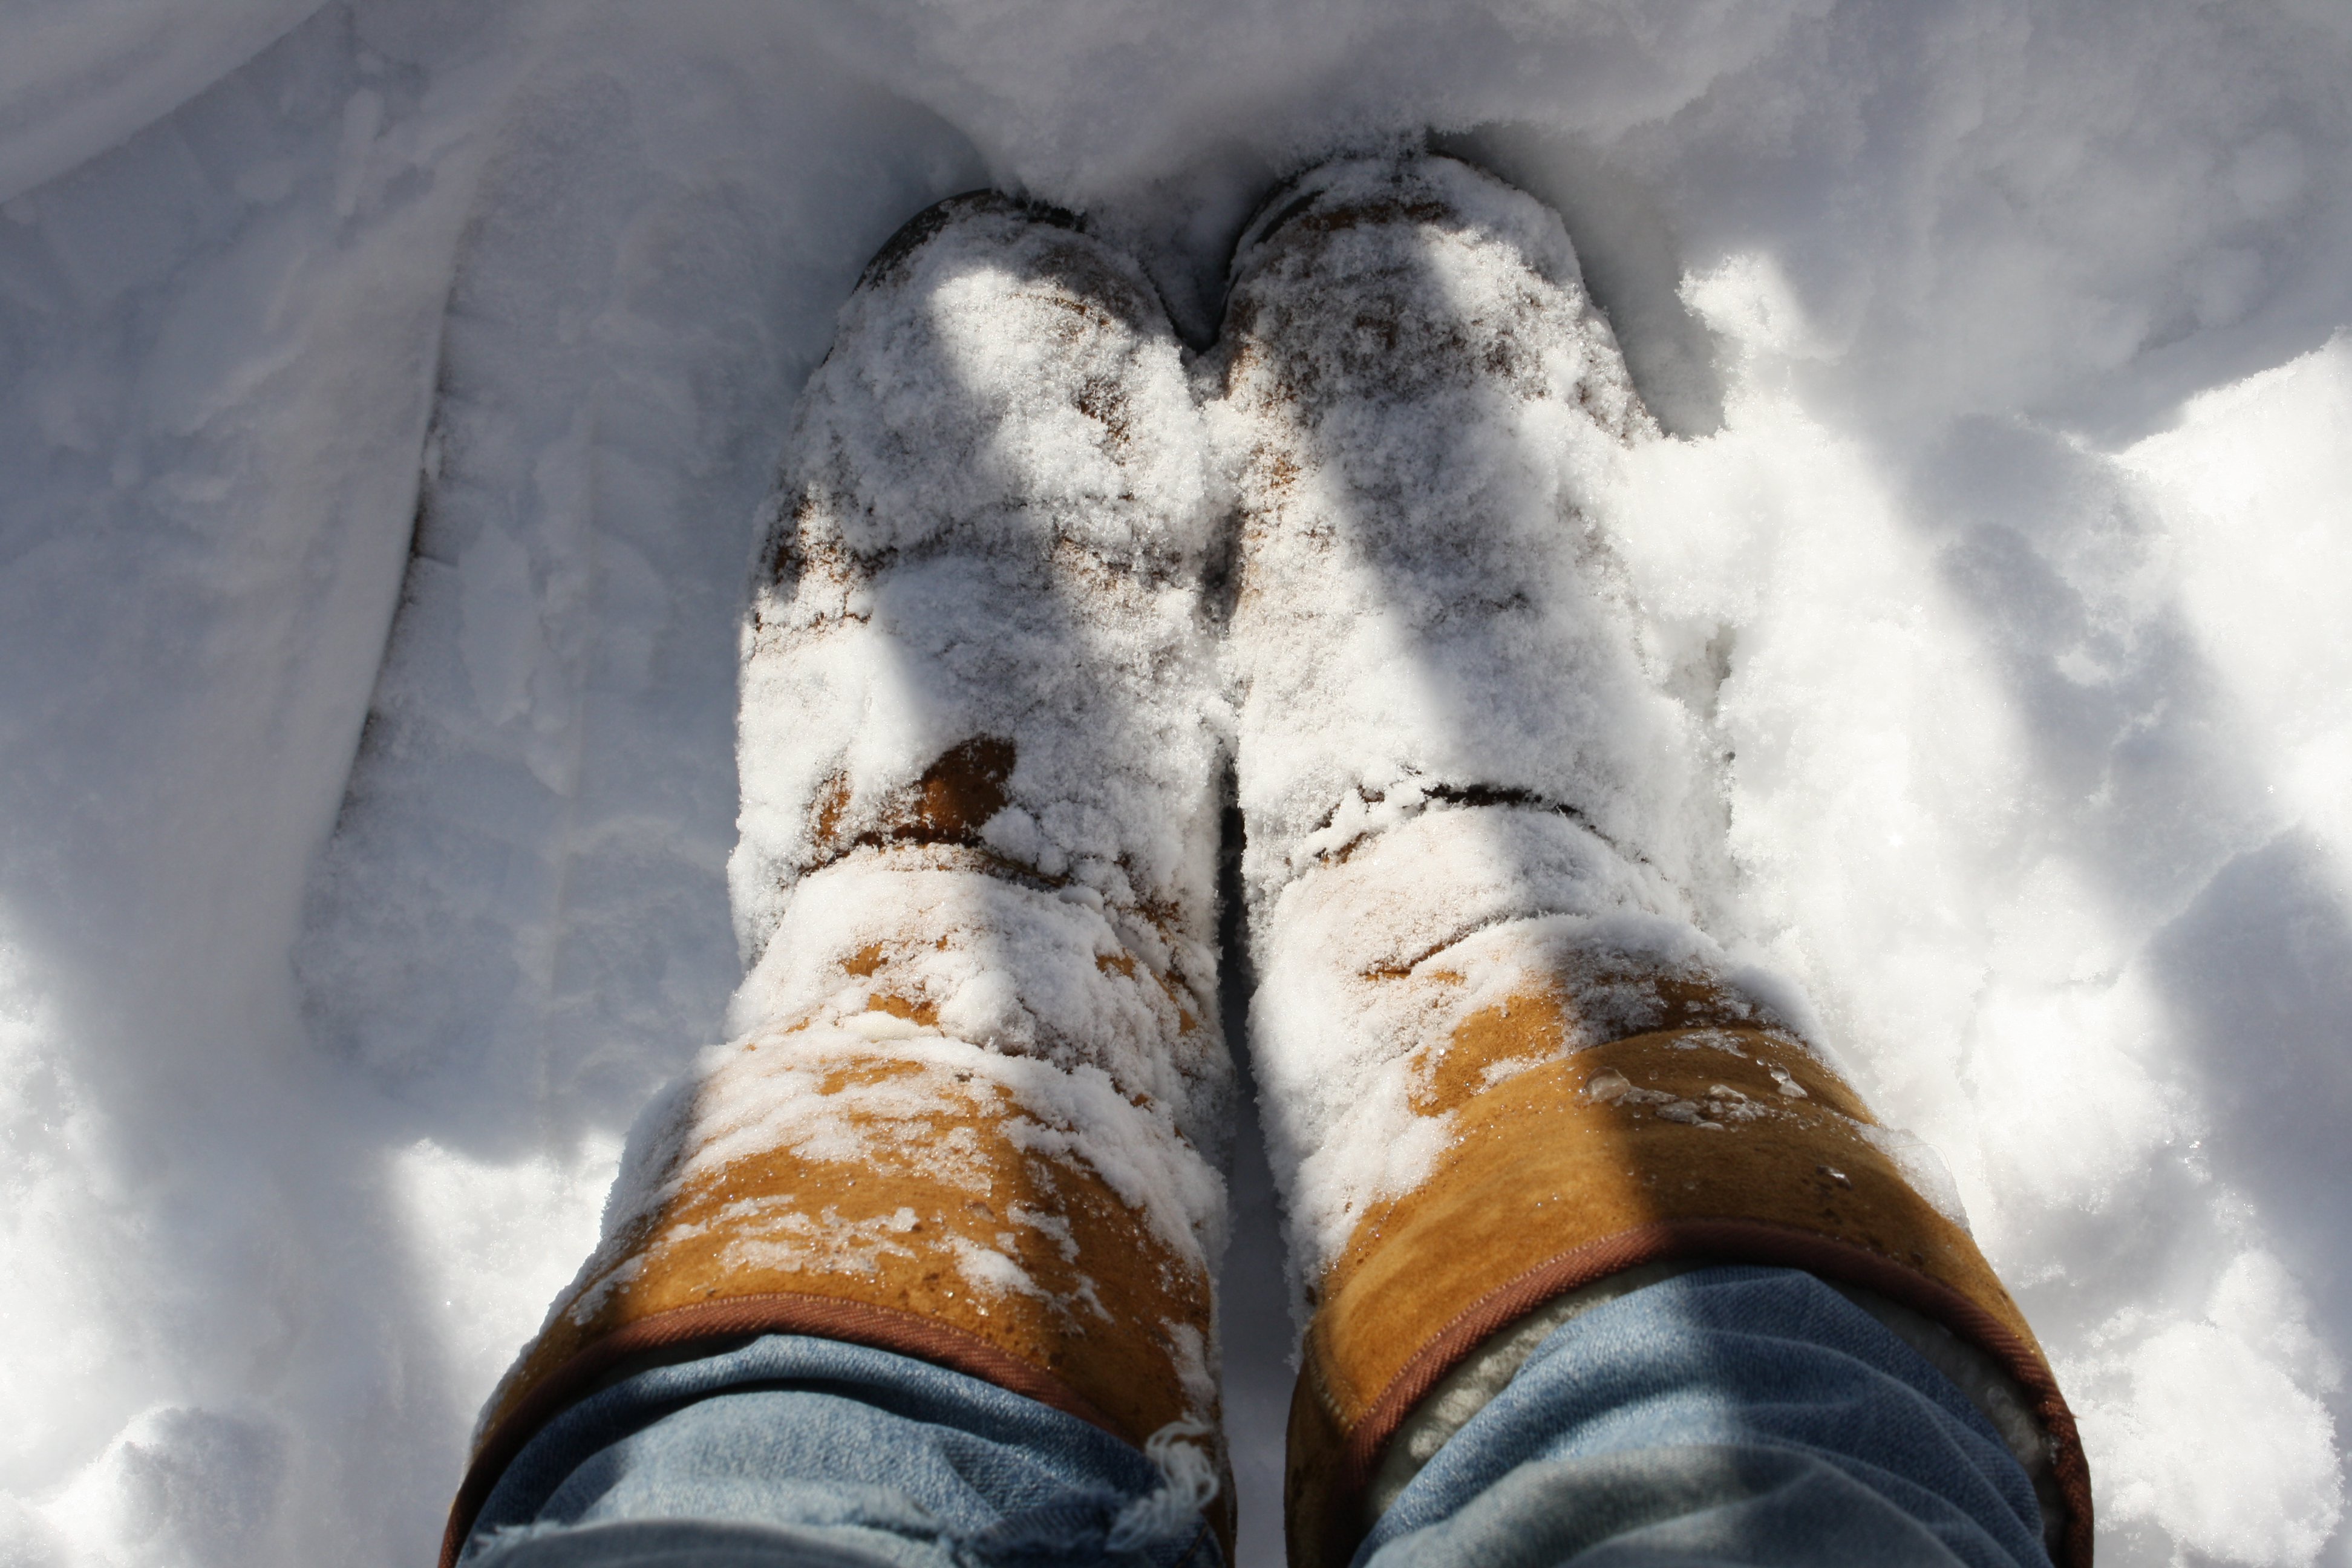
{"x":1500,"y":1060}
{"x":973,"y":1111}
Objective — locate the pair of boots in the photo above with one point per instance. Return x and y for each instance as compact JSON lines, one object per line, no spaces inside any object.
{"x":1029,"y":582}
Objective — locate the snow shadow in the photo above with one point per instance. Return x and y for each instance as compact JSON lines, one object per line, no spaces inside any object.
{"x":521,"y":926}
{"x":1253,"y":1294}
{"x":2258,"y":971}
{"x":2159,"y":792}
{"x":1631,"y":258}
{"x":2154,"y":788}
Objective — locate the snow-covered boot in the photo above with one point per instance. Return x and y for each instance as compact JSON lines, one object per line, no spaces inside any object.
{"x":975,"y":1105}
{"x":1501,"y":1062}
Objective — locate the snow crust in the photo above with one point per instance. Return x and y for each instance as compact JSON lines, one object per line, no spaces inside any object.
{"x":1994,"y":546}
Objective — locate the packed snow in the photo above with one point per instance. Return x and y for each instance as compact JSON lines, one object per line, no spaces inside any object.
{"x":400,"y":381}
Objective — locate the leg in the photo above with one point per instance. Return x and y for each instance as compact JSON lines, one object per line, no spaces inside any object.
{"x":1723,"y":1414}
{"x":1503,"y":1060}
{"x":972,"y":1114}
{"x":794,"y":1449}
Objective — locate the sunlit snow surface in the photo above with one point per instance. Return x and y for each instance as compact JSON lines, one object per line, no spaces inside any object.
{"x":2006,"y":502}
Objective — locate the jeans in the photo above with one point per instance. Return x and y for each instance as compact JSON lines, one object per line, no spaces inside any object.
{"x":1728,"y":1415}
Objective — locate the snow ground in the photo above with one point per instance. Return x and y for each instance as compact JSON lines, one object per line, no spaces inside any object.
{"x":2005,"y":347}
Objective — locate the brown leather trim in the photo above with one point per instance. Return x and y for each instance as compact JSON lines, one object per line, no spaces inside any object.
{"x":855,"y":1322}
{"x":1719,"y":1241}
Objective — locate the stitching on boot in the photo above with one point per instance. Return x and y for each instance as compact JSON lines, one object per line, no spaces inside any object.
{"x":1414,"y":797}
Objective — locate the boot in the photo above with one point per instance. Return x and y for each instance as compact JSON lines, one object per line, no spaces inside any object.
{"x":973,"y":1108}
{"x":1501,"y":1062}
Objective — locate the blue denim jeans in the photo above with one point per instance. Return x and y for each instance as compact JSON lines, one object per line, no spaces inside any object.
{"x":1732,"y":1416}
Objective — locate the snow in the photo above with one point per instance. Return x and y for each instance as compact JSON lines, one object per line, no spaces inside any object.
{"x":1463,"y":778}
{"x":783,"y":1089}
{"x":1998,"y":528}
{"x":979,"y":561}
{"x":981,"y":959}
{"x":81,"y":75}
